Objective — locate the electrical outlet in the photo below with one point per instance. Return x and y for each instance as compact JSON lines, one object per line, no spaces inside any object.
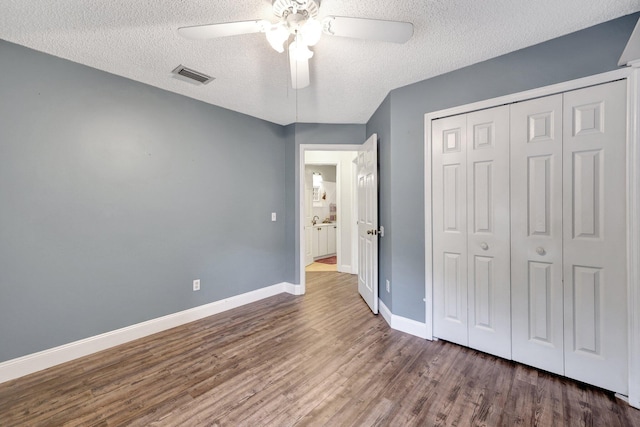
{"x":196,"y":285}
{"x":388,"y":286}
{"x":273,"y":216}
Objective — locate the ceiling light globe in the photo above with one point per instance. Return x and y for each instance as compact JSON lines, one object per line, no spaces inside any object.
{"x":299,"y":51}
{"x":277,"y":35}
{"x":311,"y":32}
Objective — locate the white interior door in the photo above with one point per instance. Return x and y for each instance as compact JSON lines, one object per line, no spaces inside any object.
{"x":449,"y":177}
{"x":536,"y":233}
{"x":595,"y":297}
{"x":367,"y":167}
{"x":488,"y":252}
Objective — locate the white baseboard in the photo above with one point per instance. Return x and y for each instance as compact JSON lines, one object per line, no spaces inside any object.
{"x":345,"y":268}
{"x":384,"y":311}
{"x":31,"y":363}
{"x":402,"y":324}
{"x":294,"y":289}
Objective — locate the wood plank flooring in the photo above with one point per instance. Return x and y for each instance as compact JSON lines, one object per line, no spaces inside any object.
{"x":319,"y":359}
{"x":318,"y":266}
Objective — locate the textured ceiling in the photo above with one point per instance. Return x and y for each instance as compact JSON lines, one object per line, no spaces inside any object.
{"x":349,"y":78}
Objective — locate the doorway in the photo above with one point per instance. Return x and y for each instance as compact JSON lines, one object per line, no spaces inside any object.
{"x":344,"y":219}
{"x":321,"y":213}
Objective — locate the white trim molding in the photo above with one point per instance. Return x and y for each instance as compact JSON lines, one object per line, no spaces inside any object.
{"x":632,"y":75}
{"x":428,"y":232}
{"x":633,"y":227}
{"x":385,"y":312}
{"x":292,"y":289}
{"x":402,"y":324}
{"x":345,"y":268}
{"x":35,"y":362}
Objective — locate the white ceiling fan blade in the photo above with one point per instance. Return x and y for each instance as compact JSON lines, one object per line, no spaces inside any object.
{"x":212,"y":31}
{"x":299,"y":73}
{"x":370,"y":29}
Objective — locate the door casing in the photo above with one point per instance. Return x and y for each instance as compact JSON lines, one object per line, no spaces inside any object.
{"x":300,"y":206}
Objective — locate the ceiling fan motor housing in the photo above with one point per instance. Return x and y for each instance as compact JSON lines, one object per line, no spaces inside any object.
{"x":307,"y":8}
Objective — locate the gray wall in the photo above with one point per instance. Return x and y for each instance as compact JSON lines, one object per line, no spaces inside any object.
{"x":328,"y":172}
{"x":114,"y":195}
{"x":292,"y":245}
{"x":587,"y":52}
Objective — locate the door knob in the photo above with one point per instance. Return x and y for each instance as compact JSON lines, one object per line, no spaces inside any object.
{"x":484,"y":246}
{"x":540,"y":250}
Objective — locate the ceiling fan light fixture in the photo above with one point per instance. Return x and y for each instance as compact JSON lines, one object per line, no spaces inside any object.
{"x":300,"y":19}
{"x":277,"y":35}
{"x":311,"y":32}
{"x":299,"y":51}
{"x":326,"y":25}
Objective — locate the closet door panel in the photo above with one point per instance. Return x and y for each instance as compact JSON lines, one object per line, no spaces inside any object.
{"x":488,"y":231}
{"x":536,"y":233}
{"x":595,"y":295}
{"x":449,"y":229}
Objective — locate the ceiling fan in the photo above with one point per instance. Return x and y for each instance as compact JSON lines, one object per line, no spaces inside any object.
{"x":299,"y":21}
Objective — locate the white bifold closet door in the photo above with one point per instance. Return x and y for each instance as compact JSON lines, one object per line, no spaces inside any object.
{"x":568,"y":265}
{"x":536,"y":233}
{"x":450,"y":229}
{"x":471,"y":230}
{"x":595,"y":238}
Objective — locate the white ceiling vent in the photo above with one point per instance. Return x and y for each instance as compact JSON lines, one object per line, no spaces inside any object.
{"x":192,"y":76}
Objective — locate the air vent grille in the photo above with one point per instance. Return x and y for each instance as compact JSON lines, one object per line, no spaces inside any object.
{"x":193,"y":76}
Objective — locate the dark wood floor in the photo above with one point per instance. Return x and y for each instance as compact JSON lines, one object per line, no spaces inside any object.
{"x":320,"y":359}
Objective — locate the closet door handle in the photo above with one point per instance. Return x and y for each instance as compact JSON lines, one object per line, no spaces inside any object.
{"x":484,"y":246}
{"x":540,"y":250}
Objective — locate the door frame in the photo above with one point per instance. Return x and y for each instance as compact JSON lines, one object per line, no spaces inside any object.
{"x":300,"y":207}
{"x":632,"y":75}
{"x":338,"y":207}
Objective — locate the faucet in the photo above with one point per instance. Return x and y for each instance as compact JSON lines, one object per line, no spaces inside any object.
{"x":313,"y":220}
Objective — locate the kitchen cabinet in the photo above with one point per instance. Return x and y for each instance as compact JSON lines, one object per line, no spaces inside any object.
{"x":323,"y":244}
{"x":331,"y":238}
{"x":323,"y":240}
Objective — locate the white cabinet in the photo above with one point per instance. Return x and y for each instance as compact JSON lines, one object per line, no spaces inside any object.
{"x":308,"y":245}
{"x":331,"y":239}
{"x":315,"y":238}
{"x":323,"y":239}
